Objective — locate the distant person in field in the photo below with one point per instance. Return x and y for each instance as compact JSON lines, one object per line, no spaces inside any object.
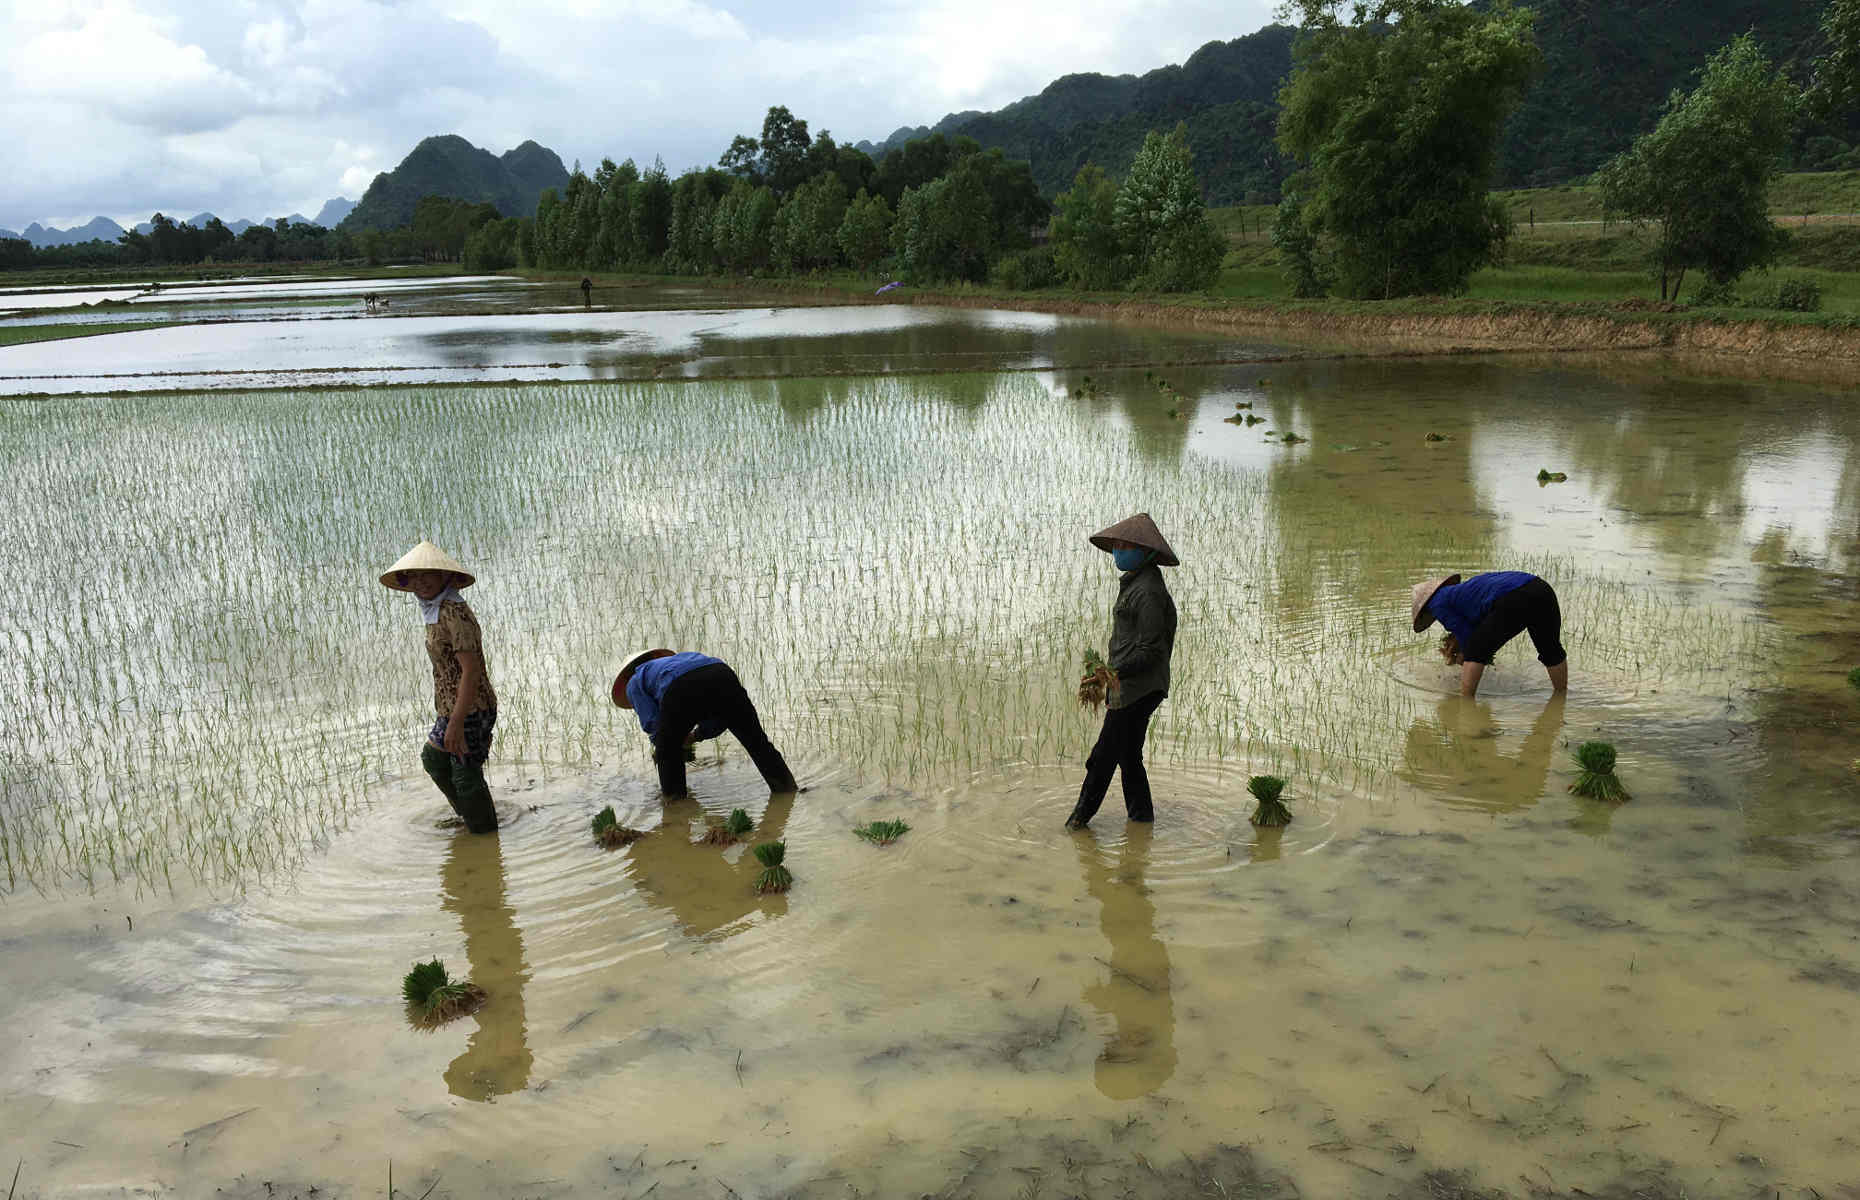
{"x":685,"y":697}
{"x":460,"y":741}
{"x":1142,"y":641}
{"x":1486,"y":611}
{"x":587,"y":292}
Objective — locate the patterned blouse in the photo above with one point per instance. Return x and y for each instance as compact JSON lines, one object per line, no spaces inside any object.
{"x":454,"y":633}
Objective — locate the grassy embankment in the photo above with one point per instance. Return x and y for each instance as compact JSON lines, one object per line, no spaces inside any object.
{"x":1563,"y":251}
{"x":20,"y":335}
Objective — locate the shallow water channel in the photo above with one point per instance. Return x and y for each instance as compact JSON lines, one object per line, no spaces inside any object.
{"x":220,"y":854}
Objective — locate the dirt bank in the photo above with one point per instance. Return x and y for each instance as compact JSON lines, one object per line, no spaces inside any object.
{"x":1463,"y":325}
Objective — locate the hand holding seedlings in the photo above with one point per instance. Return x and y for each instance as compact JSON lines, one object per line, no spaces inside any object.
{"x":1099,"y":682}
{"x":774,"y":877}
{"x":1597,"y":780}
{"x":730,"y":830}
{"x":1271,"y":810}
{"x":433,"y":998}
{"x":882,"y":833}
{"x":609,"y":832}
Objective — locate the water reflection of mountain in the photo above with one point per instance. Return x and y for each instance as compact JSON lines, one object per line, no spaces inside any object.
{"x":707,"y":889}
{"x":1140,"y":1057}
{"x":497,"y":1055}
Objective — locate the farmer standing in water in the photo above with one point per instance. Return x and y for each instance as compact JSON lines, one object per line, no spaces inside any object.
{"x":460,"y":740}
{"x":681,"y":698}
{"x":1142,"y":639}
{"x":1486,"y":611}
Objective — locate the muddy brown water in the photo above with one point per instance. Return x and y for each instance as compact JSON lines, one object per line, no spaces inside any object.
{"x":1446,"y":962}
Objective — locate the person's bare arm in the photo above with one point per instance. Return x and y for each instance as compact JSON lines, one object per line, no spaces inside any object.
{"x":471,"y":670}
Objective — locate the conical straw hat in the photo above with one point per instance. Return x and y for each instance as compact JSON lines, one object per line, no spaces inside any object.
{"x":1138,"y":531}
{"x":426,"y":557}
{"x":626,"y":669}
{"x":1423,"y":592}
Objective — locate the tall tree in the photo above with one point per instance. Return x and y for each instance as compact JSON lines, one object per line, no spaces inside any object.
{"x":865,"y":231}
{"x":1160,"y":218}
{"x":1702,"y":175}
{"x":1396,"y":115}
{"x":1086,"y":246}
{"x":1835,"y":91}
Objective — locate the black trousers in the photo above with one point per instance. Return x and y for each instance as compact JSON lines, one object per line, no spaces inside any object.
{"x":1120,"y":747}
{"x":1532,"y":606}
{"x":713,"y":693}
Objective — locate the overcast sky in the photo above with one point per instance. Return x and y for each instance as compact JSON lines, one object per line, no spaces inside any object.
{"x":255,"y":108}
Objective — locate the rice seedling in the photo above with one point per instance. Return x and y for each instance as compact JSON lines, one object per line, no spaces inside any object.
{"x":1271,"y":810}
{"x":1290,"y":439}
{"x":730,"y":830}
{"x":1545,"y":475}
{"x":1436,"y":437}
{"x":882,"y":833}
{"x":1098,"y":683}
{"x":1252,"y":420}
{"x":609,"y":832}
{"x":774,"y":877}
{"x":433,"y":997}
{"x":1853,"y":678}
{"x":1597,"y":780}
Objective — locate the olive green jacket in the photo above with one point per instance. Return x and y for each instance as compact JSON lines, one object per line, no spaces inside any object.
{"x":1142,"y":636}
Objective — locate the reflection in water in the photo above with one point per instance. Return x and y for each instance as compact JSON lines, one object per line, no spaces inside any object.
{"x":1140,"y":1056}
{"x":497,"y":1057}
{"x":706,"y":888}
{"x":1455,"y":756}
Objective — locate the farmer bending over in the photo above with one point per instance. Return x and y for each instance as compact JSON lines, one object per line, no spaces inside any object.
{"x":681,"y":698}
{"x":1484,"y":613}
{"x":460,"y":740}
{"x":1142,"y":639}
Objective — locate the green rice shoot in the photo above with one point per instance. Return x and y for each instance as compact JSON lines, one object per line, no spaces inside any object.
{"x":1597,"y":780}
{"x":882,"y":833}
{"x":1271,"y":811}
{"x":729,"y":831}
{"x":774,"y":877}
{"x":609,"y":832}
{"x":433,"y":997}
{"x":1098,"y":682}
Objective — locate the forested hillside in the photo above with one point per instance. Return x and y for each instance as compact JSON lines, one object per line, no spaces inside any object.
{"x":452,"y":167}
{"x":1608,"y":65}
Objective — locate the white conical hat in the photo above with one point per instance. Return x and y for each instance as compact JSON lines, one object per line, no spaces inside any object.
{"x":1421,"y":594}
{"x":426,"y":557}
{"x":626,"y":669}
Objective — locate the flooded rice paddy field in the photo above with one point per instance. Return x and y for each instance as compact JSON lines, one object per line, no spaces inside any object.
{"x":220,"y":853}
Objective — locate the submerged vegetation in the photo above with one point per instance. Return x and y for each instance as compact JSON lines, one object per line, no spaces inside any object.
{"x":433,"y":997}
{"x":1597,"y":779}
{"x":1271,"y":810}
{"x":1545,"y":475}
{"x":774,"y":877}
{"x":882,"y":833}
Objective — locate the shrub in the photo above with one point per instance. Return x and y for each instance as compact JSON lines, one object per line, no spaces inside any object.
{"x":1027,"y":270}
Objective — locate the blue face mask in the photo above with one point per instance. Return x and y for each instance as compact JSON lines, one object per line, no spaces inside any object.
{"x":1129,"y":560}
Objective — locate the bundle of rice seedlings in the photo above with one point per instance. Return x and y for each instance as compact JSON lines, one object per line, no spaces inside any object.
{"x":1545,"y":475}
{"x":882,"y":833}
{"x":1098,"y":681}
{"x":730,"y":830}
{"x":1252,"y":420}
{"x":687,"y":751}
{"x":774,"y":877}
{"x":1271,"y":810}
{"x":1436,"y":437}
{"x":433,"y":998}
{"x":1290,"y":439}
{"x":1597,"y":781}
{"x":609,"y":832}
{"x":1853,"y":678}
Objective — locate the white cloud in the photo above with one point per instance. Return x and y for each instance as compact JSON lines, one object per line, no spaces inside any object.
{"x":258,"y":107}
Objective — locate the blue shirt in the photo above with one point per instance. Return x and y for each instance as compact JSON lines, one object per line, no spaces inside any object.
{"x":1461,"y":606}
{"x":646,"y":689}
